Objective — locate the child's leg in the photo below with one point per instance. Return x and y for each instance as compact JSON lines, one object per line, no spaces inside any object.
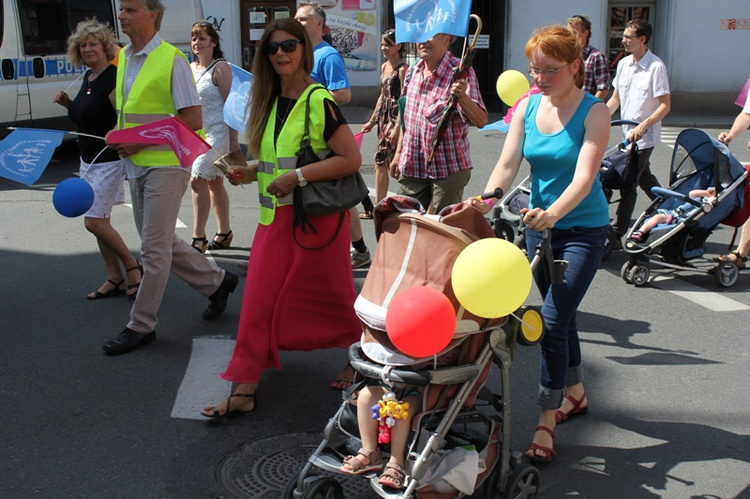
{"x":367,"y":458}
{"x":652,"y":222}
{"x":393,"y":476}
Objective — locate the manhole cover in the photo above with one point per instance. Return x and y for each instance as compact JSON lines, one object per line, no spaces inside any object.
{"x":261,"y":469}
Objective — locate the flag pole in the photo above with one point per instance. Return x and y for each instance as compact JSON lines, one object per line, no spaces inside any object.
{"x":66,"y":131}
{"x":74,"y":81}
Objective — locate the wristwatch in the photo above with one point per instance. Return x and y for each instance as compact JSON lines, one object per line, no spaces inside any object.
{"x":301,"y":180}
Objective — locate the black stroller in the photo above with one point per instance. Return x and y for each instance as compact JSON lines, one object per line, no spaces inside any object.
{"x":698,"y":162}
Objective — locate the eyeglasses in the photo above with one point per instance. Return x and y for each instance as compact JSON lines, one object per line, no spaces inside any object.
{"x":548,"y":72}
{"x":288,"y":46}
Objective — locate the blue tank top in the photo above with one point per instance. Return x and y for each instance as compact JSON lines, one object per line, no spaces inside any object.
{"x":553,"y":160}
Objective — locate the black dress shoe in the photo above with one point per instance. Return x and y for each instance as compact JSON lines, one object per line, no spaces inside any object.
{"x":219,"y":299}
{"x":128,"y":341}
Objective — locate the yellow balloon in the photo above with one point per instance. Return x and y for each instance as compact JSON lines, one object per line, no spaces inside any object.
{"x":511,"y":85}
{"x":491,"y":278}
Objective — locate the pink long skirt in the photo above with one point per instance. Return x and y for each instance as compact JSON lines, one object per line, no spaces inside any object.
{"x":295,"y":299}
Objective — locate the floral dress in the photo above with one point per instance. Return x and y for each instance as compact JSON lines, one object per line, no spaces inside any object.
{"x":387,"y":113}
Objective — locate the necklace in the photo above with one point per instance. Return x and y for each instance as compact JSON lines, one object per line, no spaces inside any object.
{"x":280,"y":120}
{"x":90,"y":81}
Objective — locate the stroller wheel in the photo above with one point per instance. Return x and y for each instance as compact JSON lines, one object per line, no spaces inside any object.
{"x":639,"y":275}
{"x":503,"y":230}
{"x":726,"y":274}
{"x":625,"y":272}
{"x":522,"y":482}
{"x":324,"y":488}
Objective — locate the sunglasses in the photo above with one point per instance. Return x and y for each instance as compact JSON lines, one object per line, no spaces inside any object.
{"x":204,"y":24}
{"x":288,"y":46}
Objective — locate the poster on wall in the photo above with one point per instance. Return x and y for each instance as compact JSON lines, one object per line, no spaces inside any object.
{"x":354,"y":29}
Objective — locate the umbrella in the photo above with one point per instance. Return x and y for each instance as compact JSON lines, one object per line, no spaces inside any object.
{"x":459,"y":73}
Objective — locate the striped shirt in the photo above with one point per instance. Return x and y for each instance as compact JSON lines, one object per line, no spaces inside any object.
{"x":184,"y":92}
{"x":426,"y":98}
{"x":597,"y":70}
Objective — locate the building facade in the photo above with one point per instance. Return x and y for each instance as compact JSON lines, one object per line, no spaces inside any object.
{"x":703,"y":44}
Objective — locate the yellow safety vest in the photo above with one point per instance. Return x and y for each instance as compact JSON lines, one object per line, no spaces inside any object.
{"x":149,"y":100}
{"x":277,"y":158}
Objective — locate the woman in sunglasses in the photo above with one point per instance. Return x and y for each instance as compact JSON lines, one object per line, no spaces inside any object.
{"x":562,"y":132}
{"x":213,"y":78}
{"x":295,"y":298}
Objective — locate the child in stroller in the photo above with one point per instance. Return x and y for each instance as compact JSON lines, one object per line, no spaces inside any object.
{"x":449,"y":405}
{"x":672,"y":217}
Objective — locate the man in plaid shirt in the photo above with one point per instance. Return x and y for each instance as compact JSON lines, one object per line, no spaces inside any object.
{"x":427,"y":88}
{"x":597,"y":70}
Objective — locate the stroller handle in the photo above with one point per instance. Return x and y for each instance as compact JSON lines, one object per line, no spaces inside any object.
{"x":497,"y":193}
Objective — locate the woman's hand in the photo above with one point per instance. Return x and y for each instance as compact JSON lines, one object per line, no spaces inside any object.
{"x":368,"y":126}
{"x":62,"y":98}
{"x":283,"y":184}
{"x":243,"y":174}
{"x":538,"y":219}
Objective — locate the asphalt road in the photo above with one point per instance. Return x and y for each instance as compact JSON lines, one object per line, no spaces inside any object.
{"x":666,"y":368}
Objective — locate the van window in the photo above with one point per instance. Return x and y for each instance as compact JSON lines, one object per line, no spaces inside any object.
{"x":46,"y":24}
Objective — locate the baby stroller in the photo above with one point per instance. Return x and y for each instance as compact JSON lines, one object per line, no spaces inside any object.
{"x":457,"y":410}
{"x":619,"y":170}
{"x":698,"y":162}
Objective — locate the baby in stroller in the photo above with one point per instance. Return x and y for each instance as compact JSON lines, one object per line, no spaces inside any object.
{"x":672,"y":217}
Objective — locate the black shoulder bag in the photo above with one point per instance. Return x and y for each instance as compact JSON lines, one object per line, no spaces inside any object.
{"x":323,"y":197}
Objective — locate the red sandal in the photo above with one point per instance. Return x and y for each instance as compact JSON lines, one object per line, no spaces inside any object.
{"x":561,"y":415}
{"x":547,"y":452}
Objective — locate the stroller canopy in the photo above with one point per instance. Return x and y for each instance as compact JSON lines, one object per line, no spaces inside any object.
{"x":696,"y":151}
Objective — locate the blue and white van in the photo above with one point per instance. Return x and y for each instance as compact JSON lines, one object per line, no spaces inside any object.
{"x":33,"y":53}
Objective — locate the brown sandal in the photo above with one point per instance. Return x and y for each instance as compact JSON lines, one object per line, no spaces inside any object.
{"x":733,"y":257}
{"x":393,"y":476}
{"x":365,"y":461}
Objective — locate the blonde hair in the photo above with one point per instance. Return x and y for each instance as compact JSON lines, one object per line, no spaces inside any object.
{"x":101,"y":31}
{"x":558,"y":42}
{"x":266,"y":81}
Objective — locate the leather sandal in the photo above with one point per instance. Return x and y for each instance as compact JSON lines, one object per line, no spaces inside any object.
{"x":228,"y":413}
{"x":547,"y":452}
{"x":223,"y":243}
{"x":364,"y":462}
{"x":561,"y":416}
{"x":393,"y":476}
{"x":116,"y":291}
{"x":136,"y":285}
{"x":200,"y":244}
{"x":733,"y":257}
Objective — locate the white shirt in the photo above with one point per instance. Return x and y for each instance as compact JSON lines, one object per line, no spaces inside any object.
{"x":184,"y":93}
{"x":639,"y":85}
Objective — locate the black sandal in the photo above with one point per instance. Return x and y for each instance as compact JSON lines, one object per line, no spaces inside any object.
{"x":203,"y":244}
{"x":136,"y":286}
{"x":223,"y":243}
{"x":229,"y":412}
{"x":116,"y":291}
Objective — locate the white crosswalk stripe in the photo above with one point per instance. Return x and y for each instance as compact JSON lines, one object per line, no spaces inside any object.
{"x":669,"y":135}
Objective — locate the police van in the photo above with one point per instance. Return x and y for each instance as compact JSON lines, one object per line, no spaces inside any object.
{"x":33,"y":55}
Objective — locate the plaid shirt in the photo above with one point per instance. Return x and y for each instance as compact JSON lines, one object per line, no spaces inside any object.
{"x":597,"y":70}
{"x":426,"y":97}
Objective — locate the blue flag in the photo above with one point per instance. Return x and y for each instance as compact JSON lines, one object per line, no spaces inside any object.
{"x":419,"y":20}
{"x":26,"y":152}
{"x":236,"y":108}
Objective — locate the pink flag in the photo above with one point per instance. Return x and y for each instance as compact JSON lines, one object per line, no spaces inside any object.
{"x":185,"y":143}
{"x":743,"y":94}
{"x":358,"y":139}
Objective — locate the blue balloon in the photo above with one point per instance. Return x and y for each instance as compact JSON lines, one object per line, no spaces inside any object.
{"x":73,"y":197}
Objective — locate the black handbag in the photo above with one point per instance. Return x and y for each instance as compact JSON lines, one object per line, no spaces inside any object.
{"x":323,"y":197}
{"x":620,"y":170}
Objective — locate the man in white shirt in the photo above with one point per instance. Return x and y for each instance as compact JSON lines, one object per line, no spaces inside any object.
{"x":641,"y":91}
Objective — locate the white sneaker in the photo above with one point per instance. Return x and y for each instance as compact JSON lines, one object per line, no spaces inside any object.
{"x":359,"y":259}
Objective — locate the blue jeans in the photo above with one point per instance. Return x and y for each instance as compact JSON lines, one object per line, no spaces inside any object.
{"x":561,"y":350}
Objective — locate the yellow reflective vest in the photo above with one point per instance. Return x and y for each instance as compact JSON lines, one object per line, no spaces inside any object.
{"x":150,"y":99}
{"x":277,"y":158}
